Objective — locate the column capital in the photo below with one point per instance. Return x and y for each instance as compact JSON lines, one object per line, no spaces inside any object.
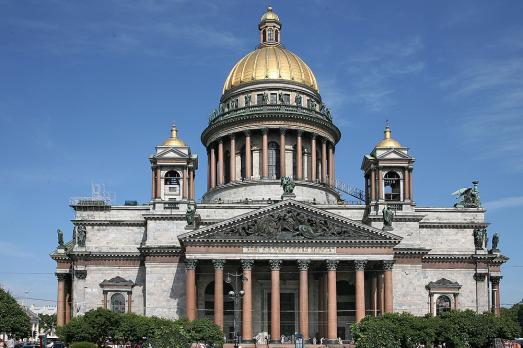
{"x":247,"y":264}
{"x":265,"y":130}
{"x":275,"y":264}
{"x":480,"y":277}
{"x":190,"y":264}
{"x":220,"y":141}
{"x":81,"y":274}
{"x":247,"y":133}
{"x":359,"y":265}
{"x":324,"y":140}
{"x":303,"y":265}
{"x":283,"y":131}
{"x":495,"y":279}
{"x":232,"y":136}
{"x":299,"y":132}
{"x":331,"y":264}
{"x":388,"y":265}
{"x":62,"y":276}
{"x":218,"y":263}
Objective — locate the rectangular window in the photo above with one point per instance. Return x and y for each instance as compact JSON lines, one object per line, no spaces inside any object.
{"x":274,"y":98}
{"x":259,"y":99}
{"x":286,"y":98}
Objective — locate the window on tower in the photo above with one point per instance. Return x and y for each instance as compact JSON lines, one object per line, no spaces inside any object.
{"x":391,"y":184}
{"x":274,"y":160}
{"x":259,"y":99}
{"x":270,"y":35}
{"x":172,"y":178}
{"x":274,"y":98}
{"x":264,"y":35}
{"x":277,"y":36}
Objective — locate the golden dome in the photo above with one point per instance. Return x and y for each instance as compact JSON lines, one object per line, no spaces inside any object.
{"x":174,"y":140}
{"x":387,"y":141}
{"x":269,"y":15}
{"x":270,"y":63}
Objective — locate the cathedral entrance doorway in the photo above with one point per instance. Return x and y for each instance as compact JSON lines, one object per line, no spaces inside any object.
{"x":288,"y":314}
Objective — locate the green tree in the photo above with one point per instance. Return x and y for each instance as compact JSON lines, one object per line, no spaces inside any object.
{"x":77,"y":330}
{"x":47,"y":322}
{"x":133,"y":328}
{"x":14,"y":321}
{"x":103,"y":324}
{"x":205,"y":331}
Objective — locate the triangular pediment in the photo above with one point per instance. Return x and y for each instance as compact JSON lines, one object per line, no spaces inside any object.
{"x":171,"y":153}
{"x":290,"y":221}
{"x":393,"y":154}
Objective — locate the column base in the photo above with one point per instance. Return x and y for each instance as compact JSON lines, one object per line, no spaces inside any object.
{"x":252,"y":340}
{"x":275,"y":342}
{"x":331,"y":341}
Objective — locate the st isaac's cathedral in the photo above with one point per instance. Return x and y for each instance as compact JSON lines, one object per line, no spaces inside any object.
{"x":272,"y":248}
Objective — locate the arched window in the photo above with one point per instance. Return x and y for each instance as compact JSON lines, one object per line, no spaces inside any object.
{"x":274,"y":160}
{"x":442,"y":304}
{"x":270,"y":35}
{"x":228,"y":305}
{"x":392,"y":186}
{"x":118,"y":303}
{"x":264,"y":34}
{"x":172,"y":177}
{"x":227,"y":167}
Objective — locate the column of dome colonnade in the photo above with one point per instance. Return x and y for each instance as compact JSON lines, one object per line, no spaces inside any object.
{"x":383,"y":283}
{"x":319,"y":167}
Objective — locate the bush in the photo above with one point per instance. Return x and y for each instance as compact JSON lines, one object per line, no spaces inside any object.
{"x":101,"y":325}
{"x":83,"y":345}
{"x":455,"y":329}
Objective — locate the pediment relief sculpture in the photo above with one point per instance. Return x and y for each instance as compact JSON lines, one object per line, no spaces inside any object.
{"x":293,"y":224}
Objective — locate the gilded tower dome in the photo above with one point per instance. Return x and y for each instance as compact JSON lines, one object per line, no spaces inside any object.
{"x":270,"y":61}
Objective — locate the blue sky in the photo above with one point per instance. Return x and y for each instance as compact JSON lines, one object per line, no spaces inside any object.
{"x":88,"y":88}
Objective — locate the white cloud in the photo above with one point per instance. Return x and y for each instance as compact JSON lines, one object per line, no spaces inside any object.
{"x":505,"y":202}
{"x":372,"y":70}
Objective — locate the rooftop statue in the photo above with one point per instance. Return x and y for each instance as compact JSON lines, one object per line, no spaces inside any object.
{"x":468,"y":197}
{"x":480,"y":238}
{"x":388,"y":217}
{"x":193,"y":219}
{"x":288,"y":184}
{"x":495,"y":242}
{"x":60,"y":238}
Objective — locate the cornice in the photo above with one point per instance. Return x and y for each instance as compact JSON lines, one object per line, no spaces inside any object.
{"x":398,"y":218}
{"x":229,"y":241}
{"x":173,"y":217}
{"x":452,"y":225}
{"x":254,"y":120}
{"x":410,"y":251}
{"x":160,"y":250}
{"x":81,"y":222}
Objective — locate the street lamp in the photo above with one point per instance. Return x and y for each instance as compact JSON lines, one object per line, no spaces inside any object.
{"x":236,"y":295}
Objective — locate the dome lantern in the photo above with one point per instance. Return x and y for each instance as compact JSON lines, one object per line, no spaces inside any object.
{"x":270,"y":28}
{"x":174,"y":140}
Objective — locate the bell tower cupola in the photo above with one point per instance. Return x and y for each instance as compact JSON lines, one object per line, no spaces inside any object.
{"x":388,"y":175}
{"x":173,"y":170}
{"x":270,"y":28}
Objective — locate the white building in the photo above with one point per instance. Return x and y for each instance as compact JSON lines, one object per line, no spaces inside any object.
{"x":311,"y":263}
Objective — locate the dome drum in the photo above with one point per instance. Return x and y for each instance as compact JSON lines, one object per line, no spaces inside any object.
{"x":254,"y":191}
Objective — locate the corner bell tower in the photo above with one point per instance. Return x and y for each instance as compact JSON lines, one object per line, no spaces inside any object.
{"x":173,"y":170}
{"x":388,"y":176}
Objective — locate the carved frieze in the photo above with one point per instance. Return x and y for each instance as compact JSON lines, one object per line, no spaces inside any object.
{"x":292,"y":224}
